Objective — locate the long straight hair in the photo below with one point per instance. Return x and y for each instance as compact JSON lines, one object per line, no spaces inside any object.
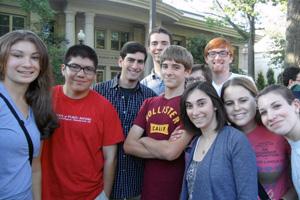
{"x":38,"y":94}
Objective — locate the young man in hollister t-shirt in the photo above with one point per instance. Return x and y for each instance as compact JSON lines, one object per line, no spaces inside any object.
{"x":158,"y":118}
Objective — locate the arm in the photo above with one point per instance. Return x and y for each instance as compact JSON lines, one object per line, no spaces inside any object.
{"x":133,"y":143}
{"x":177,"y":133}
{"x":37,"y":176}
{"x":110,"y":161}
{"x":167,"y":149}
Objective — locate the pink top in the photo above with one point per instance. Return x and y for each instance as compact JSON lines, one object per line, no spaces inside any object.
{"x":272,"y":157}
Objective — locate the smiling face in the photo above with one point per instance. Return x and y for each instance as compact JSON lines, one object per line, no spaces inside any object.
{"x":77,"y":84}
{"x":158,"y":42}
{"x":23,"y":65}
{"x":173,"y":74}
{"x":219,"y":60}
{"x":277,"y":115}
{"x":200,"y":110}
{"x":240,"y":106}
{"x":132,"y":66}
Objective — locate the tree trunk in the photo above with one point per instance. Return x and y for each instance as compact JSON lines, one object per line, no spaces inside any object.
{"x":292,"y":52}
{"x":251,"y":65}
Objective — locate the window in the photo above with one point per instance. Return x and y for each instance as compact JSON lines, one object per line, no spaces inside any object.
{"x":179,"y":40}
{"x":100,"y":39}
{"x":118,"y":39}
{"x":114,"y":71}
{"x":236,"y":55}
{"x":10,"y":23}
{"x":100,"y":74}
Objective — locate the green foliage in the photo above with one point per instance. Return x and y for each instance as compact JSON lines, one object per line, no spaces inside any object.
{"x":56,"y":49}
{"x":277,"y":55}
{"x":260,"y":82}
{"x":270,"y":76}
{"x":41,"y":7}
{"x":196,"y":46}
{"x":244,"y":6}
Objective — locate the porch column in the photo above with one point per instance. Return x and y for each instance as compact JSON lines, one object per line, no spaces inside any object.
{"x":70,"y":27}
{"x":89,"y":29}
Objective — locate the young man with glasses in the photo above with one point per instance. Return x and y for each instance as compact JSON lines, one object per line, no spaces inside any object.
{"x":199,"y":72}
{"x":218,"y":55}
{"x":78,"y":161}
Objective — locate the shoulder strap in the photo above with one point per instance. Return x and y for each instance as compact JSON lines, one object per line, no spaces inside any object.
{"x":21,"y":123}
{"x":262,"y":193}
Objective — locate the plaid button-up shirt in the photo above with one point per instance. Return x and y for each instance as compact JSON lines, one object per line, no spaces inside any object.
{"x":127,"y":102}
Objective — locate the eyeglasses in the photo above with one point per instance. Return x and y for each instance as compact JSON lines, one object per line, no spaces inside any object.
{"x":213,"y":54}
{"x":194,"y":79}
{"x":77,"y":68}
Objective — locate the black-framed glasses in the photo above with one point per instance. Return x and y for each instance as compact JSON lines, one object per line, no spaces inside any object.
{"x":213,"y":54}
{"x":195,"y":79}
{"x":88,"y":70}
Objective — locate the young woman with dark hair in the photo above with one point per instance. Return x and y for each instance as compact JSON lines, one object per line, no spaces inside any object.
{"x":216,"y":167}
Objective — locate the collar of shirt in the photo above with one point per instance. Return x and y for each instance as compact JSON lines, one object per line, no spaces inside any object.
{"x":115,"y":83}
{"x":154,"y":75}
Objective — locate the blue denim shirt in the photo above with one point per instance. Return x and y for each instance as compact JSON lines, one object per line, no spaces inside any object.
{"x":154,"y":82}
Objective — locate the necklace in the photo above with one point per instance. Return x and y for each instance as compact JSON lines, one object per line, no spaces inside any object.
{"x":203,"y":146}
{"x":207,"y":142}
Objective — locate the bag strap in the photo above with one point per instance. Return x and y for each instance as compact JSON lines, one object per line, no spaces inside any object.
{"x":21,"y":123}
{"x":263,"y":195}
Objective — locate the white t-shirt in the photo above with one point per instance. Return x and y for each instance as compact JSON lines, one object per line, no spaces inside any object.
{"x":295,"y":160}
{"x":218,"y":88}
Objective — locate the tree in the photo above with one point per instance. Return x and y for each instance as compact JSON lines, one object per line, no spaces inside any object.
{"x":260,"y":82}
{"x":279,"y":79}
{"x":246,"y":9}
{"x":292,"y":51}
{"x":277,"y":55}
{"x":270,"y":76}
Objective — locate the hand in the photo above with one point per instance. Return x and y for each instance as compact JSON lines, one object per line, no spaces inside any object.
{"x":177,"y":133}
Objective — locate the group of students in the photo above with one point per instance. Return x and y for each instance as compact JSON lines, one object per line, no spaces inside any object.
{"x":208,"y":135}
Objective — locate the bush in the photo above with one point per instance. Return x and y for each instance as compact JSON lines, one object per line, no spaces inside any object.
{"x":260,"y":82}
{"x":270,"y":76}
